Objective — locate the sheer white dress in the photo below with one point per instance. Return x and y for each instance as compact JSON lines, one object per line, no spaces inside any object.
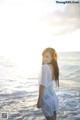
{"x":49,"y":101}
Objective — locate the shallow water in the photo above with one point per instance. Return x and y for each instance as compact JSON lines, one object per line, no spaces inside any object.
{"x":18,"y":95}
{"x":19,"y":101}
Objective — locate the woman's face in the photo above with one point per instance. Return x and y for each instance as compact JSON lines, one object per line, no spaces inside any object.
{"x":47,"y":58}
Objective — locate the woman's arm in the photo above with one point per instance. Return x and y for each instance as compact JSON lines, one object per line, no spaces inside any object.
{"x":42,"y":84}
{"x":41,"y":90}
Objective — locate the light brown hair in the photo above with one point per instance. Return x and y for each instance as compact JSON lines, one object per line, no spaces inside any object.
{"x":54,"y":63}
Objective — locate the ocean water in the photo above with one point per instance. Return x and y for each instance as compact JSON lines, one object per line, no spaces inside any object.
{"x":69,"y":64}
{"x":18,"y":95}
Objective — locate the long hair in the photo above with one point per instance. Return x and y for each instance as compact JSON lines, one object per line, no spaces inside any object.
{"x":53,"y":62}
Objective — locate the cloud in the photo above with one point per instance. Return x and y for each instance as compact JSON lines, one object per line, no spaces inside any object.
{"x":66,"y":21}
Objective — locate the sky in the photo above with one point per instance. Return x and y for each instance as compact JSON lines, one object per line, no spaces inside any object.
{"x":29,"y":26}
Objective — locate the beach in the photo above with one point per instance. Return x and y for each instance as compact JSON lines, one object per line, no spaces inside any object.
{"x":21,"y":104}
{"x":18,"y":95}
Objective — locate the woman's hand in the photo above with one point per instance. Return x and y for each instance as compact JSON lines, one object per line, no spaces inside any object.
{"x":39,"y":104}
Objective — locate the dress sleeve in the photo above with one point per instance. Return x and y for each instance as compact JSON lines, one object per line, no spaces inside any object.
{"x":43,"y":76}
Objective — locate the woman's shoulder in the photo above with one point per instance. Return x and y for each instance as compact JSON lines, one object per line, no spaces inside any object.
{"x":44,"y":67}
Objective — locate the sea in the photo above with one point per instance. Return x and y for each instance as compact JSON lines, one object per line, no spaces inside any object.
{"x":19,"y":94}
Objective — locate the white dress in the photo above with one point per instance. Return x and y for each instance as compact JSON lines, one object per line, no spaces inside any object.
{"x":49,"y":101}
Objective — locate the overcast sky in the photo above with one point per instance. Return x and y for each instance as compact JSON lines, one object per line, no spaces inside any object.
{"x":67,"y":20}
